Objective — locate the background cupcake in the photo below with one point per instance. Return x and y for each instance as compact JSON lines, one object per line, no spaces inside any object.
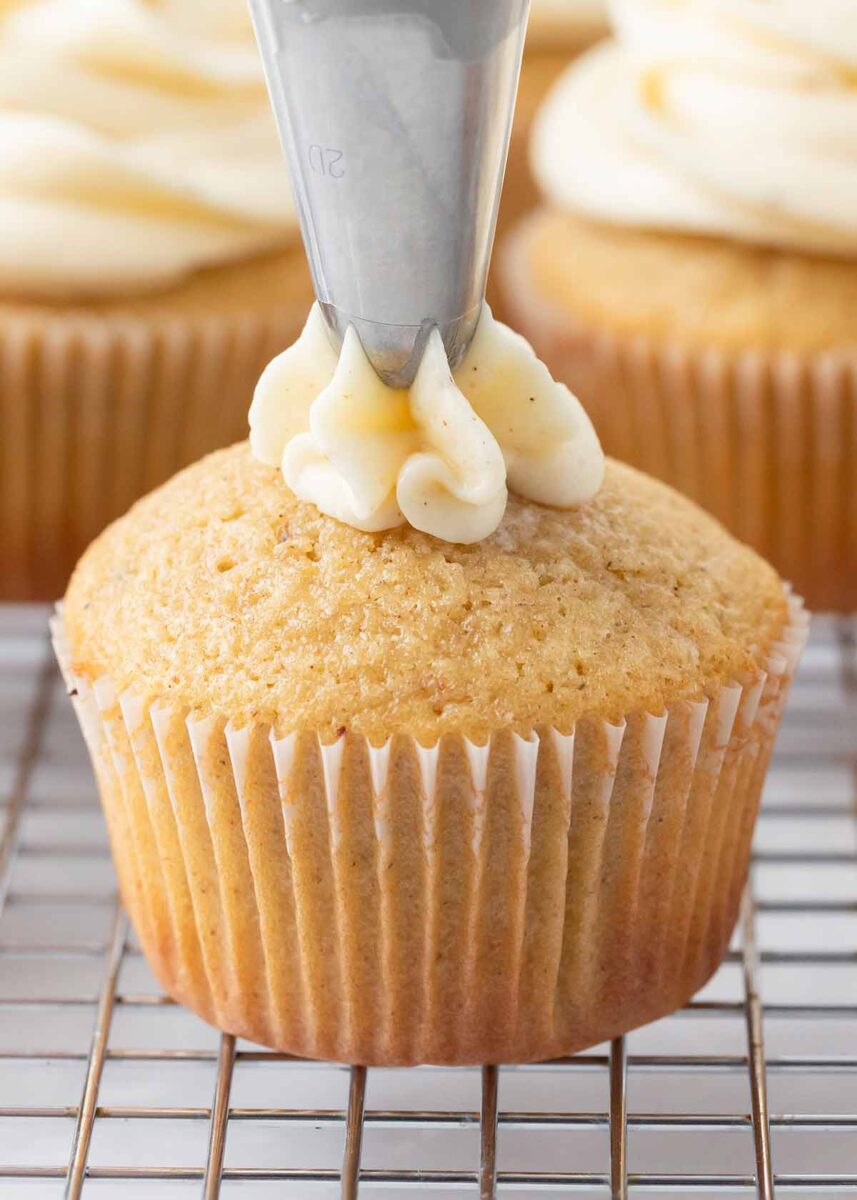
{"x":386,"y":799}
{"x":558,"y":30}
{"x":149,"y":266}
{"x":692,"y":275}
{"x":570,"y":23}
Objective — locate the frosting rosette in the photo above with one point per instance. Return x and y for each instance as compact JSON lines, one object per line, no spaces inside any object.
{"x":438,"y":455}
{"x":136,"y":145}
{"x":726,"y":117}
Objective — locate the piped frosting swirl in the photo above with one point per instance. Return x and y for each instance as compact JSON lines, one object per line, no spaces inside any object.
{"x":438,"y":455}
{"x":726,"y":117}
{"x":136,"y":145}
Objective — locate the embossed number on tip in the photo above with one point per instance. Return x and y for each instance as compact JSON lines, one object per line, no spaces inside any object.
{"x":326,"y":160}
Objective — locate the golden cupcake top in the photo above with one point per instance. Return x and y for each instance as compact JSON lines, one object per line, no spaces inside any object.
{"x":223,"y":593}
{"x":678,"y":288}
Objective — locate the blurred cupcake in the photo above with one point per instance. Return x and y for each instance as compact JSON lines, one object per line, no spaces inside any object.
{"x":558,"y":30}
{"x":573,"y":24}
{"x":386,"y":798}
{"x":150,"y":263}
{"x":694,"y":278}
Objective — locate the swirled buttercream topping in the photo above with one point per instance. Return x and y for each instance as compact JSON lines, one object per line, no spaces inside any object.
{"x":438,"y":455}
{"x":726,"y":117}
{"x":136,"y":145}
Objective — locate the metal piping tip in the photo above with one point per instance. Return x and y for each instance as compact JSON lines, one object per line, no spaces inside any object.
{"x":395,"y":118}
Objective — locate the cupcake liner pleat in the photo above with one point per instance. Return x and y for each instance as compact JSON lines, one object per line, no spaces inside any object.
{"x":403,"y":835}
{"x":139,"y":842}
{"x":96,"y":412}
{"x":766,"y":441}
{"x":457,"y":903}
{"x":271,"y":875}
{"x":215,"y":936}
{"x":141,"y":725}
{"x":681,"y":758}
{"x":302,"y":793}
{"x":15,"y":447}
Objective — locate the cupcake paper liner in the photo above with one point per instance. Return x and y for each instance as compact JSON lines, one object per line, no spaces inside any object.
{"x":97,"y":411}
{"x":457,"y":903}
{"x":767,"y":442}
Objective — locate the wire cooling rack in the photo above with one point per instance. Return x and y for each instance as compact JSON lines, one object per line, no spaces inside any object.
{"x":108,"y":1089}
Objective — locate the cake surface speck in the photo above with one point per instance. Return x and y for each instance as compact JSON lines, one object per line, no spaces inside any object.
{"x":222,"y":593}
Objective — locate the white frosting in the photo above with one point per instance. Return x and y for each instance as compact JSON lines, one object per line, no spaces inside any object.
{"x":136,"y":144}
{"x":438,"y":455}
{"x":726,"y":117}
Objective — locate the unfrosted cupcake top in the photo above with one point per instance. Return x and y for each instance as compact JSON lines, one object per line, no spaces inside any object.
{"x":720,"y":295}
{"x":727,"y":117}
{"x":223,"y":593}
{"x":136,"y":145}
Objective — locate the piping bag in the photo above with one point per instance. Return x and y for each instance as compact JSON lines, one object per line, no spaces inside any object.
{"x":395,"y":118}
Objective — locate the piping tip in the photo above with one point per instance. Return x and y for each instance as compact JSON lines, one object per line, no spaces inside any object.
{"x":395,"y":118}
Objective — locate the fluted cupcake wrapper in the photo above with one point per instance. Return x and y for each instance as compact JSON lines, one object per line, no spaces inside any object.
{"x":452,"y":904}
{"x":765,"y":441}
{"x":97,"y":411}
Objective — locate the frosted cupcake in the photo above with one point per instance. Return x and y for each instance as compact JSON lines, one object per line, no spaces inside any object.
{"x":557,"y":32}
{"x":421,"y":734}
{"x":692,"y":272}
{"x":150,"y":263}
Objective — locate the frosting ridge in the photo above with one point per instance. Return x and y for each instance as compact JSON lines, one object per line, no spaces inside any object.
{"x":727,"y":117}
{"x":136,"y":145}
{"x":439,"y":455}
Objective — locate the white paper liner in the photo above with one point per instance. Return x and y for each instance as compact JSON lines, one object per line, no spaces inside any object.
{"x":454,"y":903}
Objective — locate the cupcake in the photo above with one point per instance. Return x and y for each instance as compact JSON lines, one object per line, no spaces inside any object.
{"x":150,"y":264}
{"x":478,"y":791}
{"x":569,"y":24}
{"x":558,"y":30}
{"x":691,"y":273}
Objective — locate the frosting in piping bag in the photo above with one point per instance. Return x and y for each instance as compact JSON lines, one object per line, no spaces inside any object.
{"x":728,"y":117}
{"x":136,"y":145}
{"x":438,"y":455}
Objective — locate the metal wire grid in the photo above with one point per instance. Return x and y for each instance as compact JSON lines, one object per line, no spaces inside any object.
{"x":46,"y":784}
